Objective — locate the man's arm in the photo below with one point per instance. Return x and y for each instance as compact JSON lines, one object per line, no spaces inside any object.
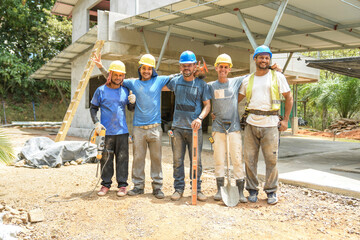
{"x":240,"y":97}
{"x":196,"y":124}
{"x":93,"y":111}
{"x":131,"y":107}
{"x":97,"y":60}
{"x":288,"y":106}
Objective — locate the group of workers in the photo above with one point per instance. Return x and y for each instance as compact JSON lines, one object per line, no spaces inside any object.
{"x":262,"y":90}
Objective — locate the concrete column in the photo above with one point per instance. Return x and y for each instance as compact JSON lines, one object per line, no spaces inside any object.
{"x":294,"y":125}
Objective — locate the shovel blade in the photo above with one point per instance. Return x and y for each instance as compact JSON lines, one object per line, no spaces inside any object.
{"x":230,"y":195}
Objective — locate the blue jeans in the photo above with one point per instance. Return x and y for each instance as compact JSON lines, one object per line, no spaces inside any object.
{"x":183,"y":138}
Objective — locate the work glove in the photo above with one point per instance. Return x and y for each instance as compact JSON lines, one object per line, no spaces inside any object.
{"x":98,"y":127}
{"x":131,"y":97}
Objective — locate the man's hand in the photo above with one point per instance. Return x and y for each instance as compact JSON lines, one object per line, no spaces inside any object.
{"x":196,"y":124}
{"x":131,"y":97}
{"x":98,"y":127}
{"x":212,"y":115}
{"x":276,"y":67}
{"x":283,"y":125}
{"x":97,"y":60}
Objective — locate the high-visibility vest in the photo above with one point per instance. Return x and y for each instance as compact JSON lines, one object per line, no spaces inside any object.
{"x":275,"y":93}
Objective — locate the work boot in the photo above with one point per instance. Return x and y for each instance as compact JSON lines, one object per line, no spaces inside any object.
{"x":272,"y":198}
{"x":103,"y":191}
{"x":253,"y":195}
{"x":201,"y":197}
{"x":135,"y":191}
{"x":219,"y":184}
{"x":176,"y":195}
{"x":158,"y":193}
{"x":240,"y":183}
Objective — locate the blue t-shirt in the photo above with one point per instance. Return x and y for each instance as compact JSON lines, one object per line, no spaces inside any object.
{"x":189,"y":96}
{"x":225,"y":103}
{"x":112,"y":103}
{"x":148,"y":96}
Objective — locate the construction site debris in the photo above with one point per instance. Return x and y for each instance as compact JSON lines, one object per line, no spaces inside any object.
{"x":36,"y":215}
{"x":34,"y":124}
{"x":344,"y":124}
{"x":42,"y":152}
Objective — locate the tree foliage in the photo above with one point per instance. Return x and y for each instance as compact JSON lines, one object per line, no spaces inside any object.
{"x":334,"y":96}
{"x":29,"y":37}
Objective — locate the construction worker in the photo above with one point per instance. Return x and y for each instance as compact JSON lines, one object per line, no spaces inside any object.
{"x":224,"y":93}
{"x":112,"y":98}
{"x":147,"y":130}
{"x":262,"y":90}
{"x":190,"y":94}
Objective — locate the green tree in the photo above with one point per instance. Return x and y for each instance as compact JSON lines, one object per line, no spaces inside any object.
{"x":29,"y":37}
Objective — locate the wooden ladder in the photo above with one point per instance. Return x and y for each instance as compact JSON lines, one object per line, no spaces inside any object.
{"x":70,"y":113}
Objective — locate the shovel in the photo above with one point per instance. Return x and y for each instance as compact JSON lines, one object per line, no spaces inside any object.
{"x":229,"y":194}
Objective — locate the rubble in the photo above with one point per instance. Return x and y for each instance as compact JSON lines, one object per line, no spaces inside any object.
{"x":344,"y":124}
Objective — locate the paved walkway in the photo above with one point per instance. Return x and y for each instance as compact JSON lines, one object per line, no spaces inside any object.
{"x":331,"y":166}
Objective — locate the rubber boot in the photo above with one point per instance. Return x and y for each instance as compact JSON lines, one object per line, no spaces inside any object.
{"x":219,"y":184}
{"x":240,"y":183}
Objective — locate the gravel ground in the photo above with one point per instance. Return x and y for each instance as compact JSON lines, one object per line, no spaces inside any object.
{"x":300,"y":214}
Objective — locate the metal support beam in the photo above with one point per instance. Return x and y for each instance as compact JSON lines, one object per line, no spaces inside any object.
{"x":276,"y":22}
{"x":246,"y":29}
{"x":163,"y":47}
{"x":287,"y":62}
{"x":316,"y":19}
{"x":145,"y":43}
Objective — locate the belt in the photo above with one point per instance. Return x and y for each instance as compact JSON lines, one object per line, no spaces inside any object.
{"x":265,"y":113}
{"x":150,"y":126}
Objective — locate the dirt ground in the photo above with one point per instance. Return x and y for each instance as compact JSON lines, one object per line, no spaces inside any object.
{"x":353,"y":134}
{"x":300,"y":214}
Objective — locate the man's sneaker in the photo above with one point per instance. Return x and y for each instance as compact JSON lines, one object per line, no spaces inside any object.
{"x":201,"y":197}
{"x":158,"y":193}
{"x":272,"y":198}
{"x":135,"y":191}
{"x":176,"y":195}
{"x":253,"y":196}
{"x":103,"y":191}
{"x":121,"y":192}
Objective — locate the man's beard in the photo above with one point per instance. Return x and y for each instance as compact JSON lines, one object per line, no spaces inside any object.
{"x":261,"y":67}
{"x":117,"y":84}
{"x":187,"y":73}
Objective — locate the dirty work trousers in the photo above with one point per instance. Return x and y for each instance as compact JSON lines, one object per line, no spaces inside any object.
{"x":182,"y":139}
{"x":115,"y":145}
{"x":268,"y":139}
{"x":144,"y":138}
{"x":235,"y":150}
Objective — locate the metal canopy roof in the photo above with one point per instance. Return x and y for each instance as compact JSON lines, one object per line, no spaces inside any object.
{"x":59,"y":67}
{"x":345,"y":66}
{"x":306,"y":25}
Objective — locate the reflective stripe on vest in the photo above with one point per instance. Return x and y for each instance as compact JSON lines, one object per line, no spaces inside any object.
{"x":275,"y":93}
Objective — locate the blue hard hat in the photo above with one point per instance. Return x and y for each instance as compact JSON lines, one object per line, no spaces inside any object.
{"x":262,"y":49}
{"x":187,"y":57}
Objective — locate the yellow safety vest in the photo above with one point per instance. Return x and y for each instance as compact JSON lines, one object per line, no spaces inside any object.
{"x":275,"y":93}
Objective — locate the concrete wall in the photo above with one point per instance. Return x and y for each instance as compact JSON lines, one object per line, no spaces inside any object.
{"x":80,"y":17}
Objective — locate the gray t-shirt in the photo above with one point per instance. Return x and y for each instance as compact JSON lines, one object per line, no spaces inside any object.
{"x":225,"y":103}
{"x":189,"y":97}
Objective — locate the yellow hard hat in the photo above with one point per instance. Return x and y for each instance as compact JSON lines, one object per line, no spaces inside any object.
{"x":147,"y":59}
{"x":223,"y":58}
{"x":117,"y":66}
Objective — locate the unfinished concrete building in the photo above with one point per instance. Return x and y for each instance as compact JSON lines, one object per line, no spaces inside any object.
{"x":165,"y":28}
